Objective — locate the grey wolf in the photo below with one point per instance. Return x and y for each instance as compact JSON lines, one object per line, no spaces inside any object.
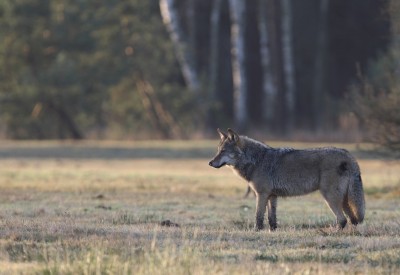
{"x":283,"y":172}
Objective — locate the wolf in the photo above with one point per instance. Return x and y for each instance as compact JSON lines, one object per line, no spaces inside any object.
{"x":284,"y":172}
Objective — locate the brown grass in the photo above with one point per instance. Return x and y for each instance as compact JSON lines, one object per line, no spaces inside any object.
{"x":89,"y":208}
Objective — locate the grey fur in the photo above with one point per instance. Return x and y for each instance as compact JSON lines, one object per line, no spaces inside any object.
{"x":282,"y":172}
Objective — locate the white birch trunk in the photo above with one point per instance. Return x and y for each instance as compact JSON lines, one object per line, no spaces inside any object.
{"x":269,"y":87}
{"x":170,"y":19}
{"x":288,"y":62}
{"x":237,"y":11}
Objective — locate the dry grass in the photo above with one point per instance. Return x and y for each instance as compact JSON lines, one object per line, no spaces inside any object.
{"x":91,"y":208}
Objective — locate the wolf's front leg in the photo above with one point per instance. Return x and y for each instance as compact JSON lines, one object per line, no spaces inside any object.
{"x":262,"y":199}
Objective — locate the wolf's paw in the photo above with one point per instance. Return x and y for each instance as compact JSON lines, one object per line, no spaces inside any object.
{"x":272,"y":228}
{"x":258,"y":227}
{"x":341,"y":224}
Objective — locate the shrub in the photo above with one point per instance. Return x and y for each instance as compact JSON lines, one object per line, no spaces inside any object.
{"x":376,"y":98}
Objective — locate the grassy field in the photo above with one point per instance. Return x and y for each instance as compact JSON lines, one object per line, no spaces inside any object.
{"x":158,"y":208}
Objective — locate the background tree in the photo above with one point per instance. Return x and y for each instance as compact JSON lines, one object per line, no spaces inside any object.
{"x":376,"y":99}
{"x":269,"y":89}
{"x":184,"y":51}
{"x":238,"y":34}
{"x":288,"y":64}
{"x":113,"y":69}
{"x":70,"y":67}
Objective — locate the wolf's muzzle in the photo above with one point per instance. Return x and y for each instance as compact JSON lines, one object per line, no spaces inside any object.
{"x":212,"y":164}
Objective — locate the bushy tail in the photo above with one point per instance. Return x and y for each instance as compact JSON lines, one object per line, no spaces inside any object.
{"x":356,"y":200}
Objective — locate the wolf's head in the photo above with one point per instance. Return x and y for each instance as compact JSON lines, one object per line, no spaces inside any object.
{"x":228,"y":150}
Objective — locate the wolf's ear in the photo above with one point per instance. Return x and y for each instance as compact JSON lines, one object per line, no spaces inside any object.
{"x":222,"y":134}
{"x":233,"y":136}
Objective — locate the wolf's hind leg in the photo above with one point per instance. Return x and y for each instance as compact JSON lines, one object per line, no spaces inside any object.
{"x":335,"y":203}
{"x":260,"y":210}
{"x":272,"y":202}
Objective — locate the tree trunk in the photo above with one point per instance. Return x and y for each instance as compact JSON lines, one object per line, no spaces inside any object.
{"x":170,"y":17}
{"x":214,"y":46}
{"x":225,"y":88}
{"x":66,"y":120}
{"x":237,"y":11}
{"x":160,"y":118}
{"x":253,"y":65}
{"x":214,"y":59}
{"x":319,"y":66}
{"x":274,"y":27}
{"x":288,"y":65}
{"x":269,"y":88}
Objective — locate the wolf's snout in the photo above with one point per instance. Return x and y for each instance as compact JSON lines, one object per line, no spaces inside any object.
{"x":213,"y":164}
{"x":216,"y":164}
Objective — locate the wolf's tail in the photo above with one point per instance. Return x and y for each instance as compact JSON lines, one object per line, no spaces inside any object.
{"x":356,"y":200}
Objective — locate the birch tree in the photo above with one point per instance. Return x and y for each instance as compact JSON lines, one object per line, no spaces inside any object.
{"x":237,"y":11}
{"x":215,"y":19}
{"x":269,"y":87}
{"x":170,"y":18}
{"x":288,"y":64}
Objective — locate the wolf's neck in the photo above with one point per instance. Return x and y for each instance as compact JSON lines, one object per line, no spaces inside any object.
{"x":244,"y":170}
{"x":248,"y":162}
{"x":253,"y":153}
